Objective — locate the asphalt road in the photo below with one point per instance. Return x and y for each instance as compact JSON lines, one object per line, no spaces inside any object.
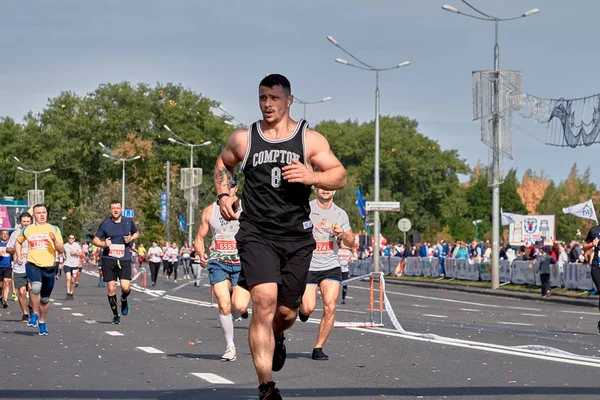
{"x":170,"y":348}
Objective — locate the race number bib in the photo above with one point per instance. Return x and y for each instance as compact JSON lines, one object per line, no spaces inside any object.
{"x":324,"y":244}
{"x":2,"y":251}
{"x":225,"y":246}
{"x":116,"y":250}
{"x":39,"y":242}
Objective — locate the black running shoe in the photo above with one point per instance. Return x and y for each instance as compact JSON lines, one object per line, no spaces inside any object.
{"x":268,"y":391}
{"x":25,"y":318}
{"x":303,"y":317}
{"x":4,"y":303}
{"x":279,"y":354}
{"x":319,"y":355}
{"x":116,"y":320}
{"x":598,"y":326}
{"x":244,"y":315}
{"x":343,"y":301}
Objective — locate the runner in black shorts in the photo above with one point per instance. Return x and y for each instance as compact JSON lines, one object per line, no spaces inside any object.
{"x":115,"y":235}
{"x":275,"y":243}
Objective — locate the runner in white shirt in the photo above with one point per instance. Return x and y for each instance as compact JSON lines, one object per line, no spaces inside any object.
{"x":19,"y":272}
{"x":330,"y":222}
{"x":154,"y":258}
{"x":72,"y":253}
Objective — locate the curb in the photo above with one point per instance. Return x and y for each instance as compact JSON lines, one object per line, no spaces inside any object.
{"x":499,"y":293}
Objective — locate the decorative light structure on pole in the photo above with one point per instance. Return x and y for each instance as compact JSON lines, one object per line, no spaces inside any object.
{"x":35,"y":197}
{"x":367,"y":67}
{"x":182,"y":142}
{"x":123,"y":161}
{"x":304,"y":103}
{"x":496,"y":142}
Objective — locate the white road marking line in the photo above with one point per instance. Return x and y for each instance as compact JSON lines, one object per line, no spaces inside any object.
{"x":67,"y":308}
{"x":150,"y":350}
{"x":514,"y":323}
{"x":435,"y":316}
{"x":213,"y":378}
{"x":578,"y":312}
{"x":419,"y":305}
{"x":446,"y":300}
{"x":351,"y":311}
{"x":90,"y":321}
{"x":469,"y":310}
{"x":567,"y":359}
{"x":58,"y":304}
{"x":115,"y":333}
{"x":534,"y":315}
{"x":76,"y":314}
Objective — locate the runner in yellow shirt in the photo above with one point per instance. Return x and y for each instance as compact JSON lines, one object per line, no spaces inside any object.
{"x":43,"y":240}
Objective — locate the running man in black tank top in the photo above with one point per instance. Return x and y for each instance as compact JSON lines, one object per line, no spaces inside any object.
{"x":278,"y":156}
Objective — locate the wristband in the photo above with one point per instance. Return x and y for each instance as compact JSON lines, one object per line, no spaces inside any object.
{"x":220,"y":196}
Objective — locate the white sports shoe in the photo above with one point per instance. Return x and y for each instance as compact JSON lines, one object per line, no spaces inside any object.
{"x":229,"y":355}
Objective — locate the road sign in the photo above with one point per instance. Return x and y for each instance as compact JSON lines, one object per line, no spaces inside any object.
{"x":383,"y":206}
{"x":128,"y":213}
{"x":404,"y":225}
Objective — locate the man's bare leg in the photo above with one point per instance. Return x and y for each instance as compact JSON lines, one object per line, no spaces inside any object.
{"x":260,"y":334}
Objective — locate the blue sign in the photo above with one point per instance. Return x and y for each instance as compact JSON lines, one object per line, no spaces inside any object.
{"x":128,"y":213}
{"x":163,"y":207}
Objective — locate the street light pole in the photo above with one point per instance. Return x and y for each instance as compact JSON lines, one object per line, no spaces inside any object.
{"x":367,"y":67}
{"x":190,"y":207}
{"x":123,"y":161}
{"x":24,"y":168}
{"x":497,"y":140}
{"x":304,"y":103}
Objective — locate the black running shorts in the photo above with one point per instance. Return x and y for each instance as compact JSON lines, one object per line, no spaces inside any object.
{"x":316,"y":277}
{"x":282,"y":261}
{"x":113,"y":269}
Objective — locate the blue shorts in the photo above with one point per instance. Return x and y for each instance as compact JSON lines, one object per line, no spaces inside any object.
{"x":44,"y":275}
{"x":218,"y":271}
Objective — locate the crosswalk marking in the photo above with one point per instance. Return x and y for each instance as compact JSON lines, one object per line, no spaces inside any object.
{"x":67,"y":308}
{"x":150,"y":350}
{"x":90,"y":321}
{"x":115,"y":333}
{"x":213,"y":378}
{"x":76,"y":314}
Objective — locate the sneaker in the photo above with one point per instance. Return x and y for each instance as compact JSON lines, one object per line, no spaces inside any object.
{"x":4,"y":303}
{"x":25,"y":318}
{"x":116,"y":320}
{"x":268,"y":391}
{"x":229,"y":355}
{"x":279,"y":354}
{"x":598,"y":326}
{"x":175,"y":281}
{"x":43,"y":329}
{"x":14,"y":296}
{"x":303,"y":317}
{"x":76,"y":284}
{"x":33,"y":320}
{"x":68,"y":297}
{"x":319,"y":355}
{"x":244,"y":315}
{"x":124,"y":307}
{"x":343,"y":301}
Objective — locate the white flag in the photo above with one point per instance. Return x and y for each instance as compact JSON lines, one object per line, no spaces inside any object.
{"x":511,"y":218}
{"x":582,"y":210}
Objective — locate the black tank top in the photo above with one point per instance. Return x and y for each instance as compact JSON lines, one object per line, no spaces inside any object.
{"x":278,"y":208}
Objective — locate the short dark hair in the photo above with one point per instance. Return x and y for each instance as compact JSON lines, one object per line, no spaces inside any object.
{"x":277,"y":80}
{"x":115,"y":202}
{"x":38,"y":206}
{"x":25,"y":214}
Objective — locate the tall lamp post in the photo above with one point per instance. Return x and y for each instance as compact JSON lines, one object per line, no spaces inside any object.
{"x":123,"y":161}
{"x":367,"y":67}
{"x":24,"y":168}
{"x":304,"y":103}
{"x":182,"y":142}
{"x":231,"y":118}
{"x":496,"y":132}
{"x":476,"y":223}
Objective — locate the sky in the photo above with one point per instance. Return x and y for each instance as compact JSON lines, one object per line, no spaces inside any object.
{"x":222,"y":49}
